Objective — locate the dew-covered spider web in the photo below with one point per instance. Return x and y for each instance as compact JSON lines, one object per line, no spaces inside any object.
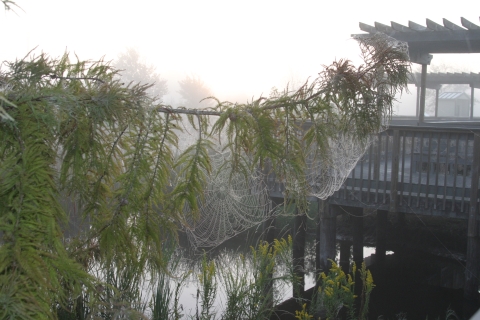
{"x":231,"y":203}
{"x":327,"y":173}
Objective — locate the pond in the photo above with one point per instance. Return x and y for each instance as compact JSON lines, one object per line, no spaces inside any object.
{"x":410,"y":285}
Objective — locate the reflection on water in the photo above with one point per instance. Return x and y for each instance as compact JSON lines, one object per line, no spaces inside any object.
{"x":417,"y":285}
{"x":227,"y":259}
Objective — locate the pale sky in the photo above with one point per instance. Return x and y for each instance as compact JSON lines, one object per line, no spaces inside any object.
{"x":241,"y":49}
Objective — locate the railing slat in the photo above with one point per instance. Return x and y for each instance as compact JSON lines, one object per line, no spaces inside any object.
{"x":385,"y":168}
{"x":437,"y":170}
{"x":455,"y":168}
{"x":447,"y":171}
{"x":412,"y":164}
{"x":428,"y":169}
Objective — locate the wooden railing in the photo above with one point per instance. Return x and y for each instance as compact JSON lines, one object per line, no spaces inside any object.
{"x":423,"y":170}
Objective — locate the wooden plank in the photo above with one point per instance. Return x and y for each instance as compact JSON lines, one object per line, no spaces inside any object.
{"x":417,"y":27}
{"x":400,"y":27}
{"x":383,"y":28}
{"x":469,"y":25}
{"x":452,"y":26}
{"x":435,"y":26}
{"x":367,"y":28}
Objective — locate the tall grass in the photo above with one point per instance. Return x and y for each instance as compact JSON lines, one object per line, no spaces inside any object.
{"x":162,"y":299}
{"x":249,"y":289}
{"x":207,"y":290}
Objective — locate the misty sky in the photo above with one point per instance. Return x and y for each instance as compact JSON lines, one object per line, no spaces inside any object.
{"x":240,"y":49}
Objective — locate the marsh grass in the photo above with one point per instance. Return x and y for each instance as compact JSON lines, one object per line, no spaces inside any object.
{"x":207,"y":290}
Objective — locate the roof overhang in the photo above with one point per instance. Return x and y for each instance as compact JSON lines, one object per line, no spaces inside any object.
{"x":434,"y":38}
{"x":436,"y":80}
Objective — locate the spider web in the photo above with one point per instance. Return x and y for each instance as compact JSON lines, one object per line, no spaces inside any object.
{"x":327,"y":174}
{"x":231,"y":203}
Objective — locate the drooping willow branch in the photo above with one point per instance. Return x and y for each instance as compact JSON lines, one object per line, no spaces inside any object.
{"x":54,"y":76}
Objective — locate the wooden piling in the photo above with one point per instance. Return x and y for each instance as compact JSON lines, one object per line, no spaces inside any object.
{"x":357,"y":235}
{"x":381,"y":241}
{"x":299,"y":235}
{"x":345,"y":246}
{"x":328,"y":233}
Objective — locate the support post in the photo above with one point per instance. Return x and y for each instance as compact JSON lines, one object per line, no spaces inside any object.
{"x":357,"y":226}
{"x":380,"y":275}
{"x":328,"y":234}
{"x":269,"y":224}
{"x":472,"y":100}
{"x":417,"y":101}
{"x":473,"y":255}
{"x":423,"y":91}
{"x":299,"y":235}
{"x":381,"y":245}
{"x":401,"y":220}
{"x":357,"y":235}
{"x":345,"y":246}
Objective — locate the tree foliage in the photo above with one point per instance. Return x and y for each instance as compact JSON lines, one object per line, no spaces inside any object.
{"x":8,"y":4}
{"x":194,"y":92}
{"x":134,"y":71}
{"x":79,"y":145}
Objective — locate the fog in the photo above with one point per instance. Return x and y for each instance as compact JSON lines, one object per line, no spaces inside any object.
{"x":240,"y":49}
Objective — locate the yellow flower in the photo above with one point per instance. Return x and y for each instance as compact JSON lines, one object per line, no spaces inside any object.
{"x":369,"y":281}
{"x":350,"y":280}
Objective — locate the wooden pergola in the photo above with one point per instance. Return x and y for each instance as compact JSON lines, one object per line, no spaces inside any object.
{"x":435,"y":81}
{"x":423,"y":41}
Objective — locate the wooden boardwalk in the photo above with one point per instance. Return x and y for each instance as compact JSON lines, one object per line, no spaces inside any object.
{"x":425,"y":170}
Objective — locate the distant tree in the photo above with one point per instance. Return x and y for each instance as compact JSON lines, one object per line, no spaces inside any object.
{"x":134,"y":71}
{"x":193,"y":90}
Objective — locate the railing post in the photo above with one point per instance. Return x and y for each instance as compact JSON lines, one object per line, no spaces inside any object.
{"x":376,"y":160}
{"x":421,"y":114}
{"x":471,"y":273}
{"x":394,"y":177}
